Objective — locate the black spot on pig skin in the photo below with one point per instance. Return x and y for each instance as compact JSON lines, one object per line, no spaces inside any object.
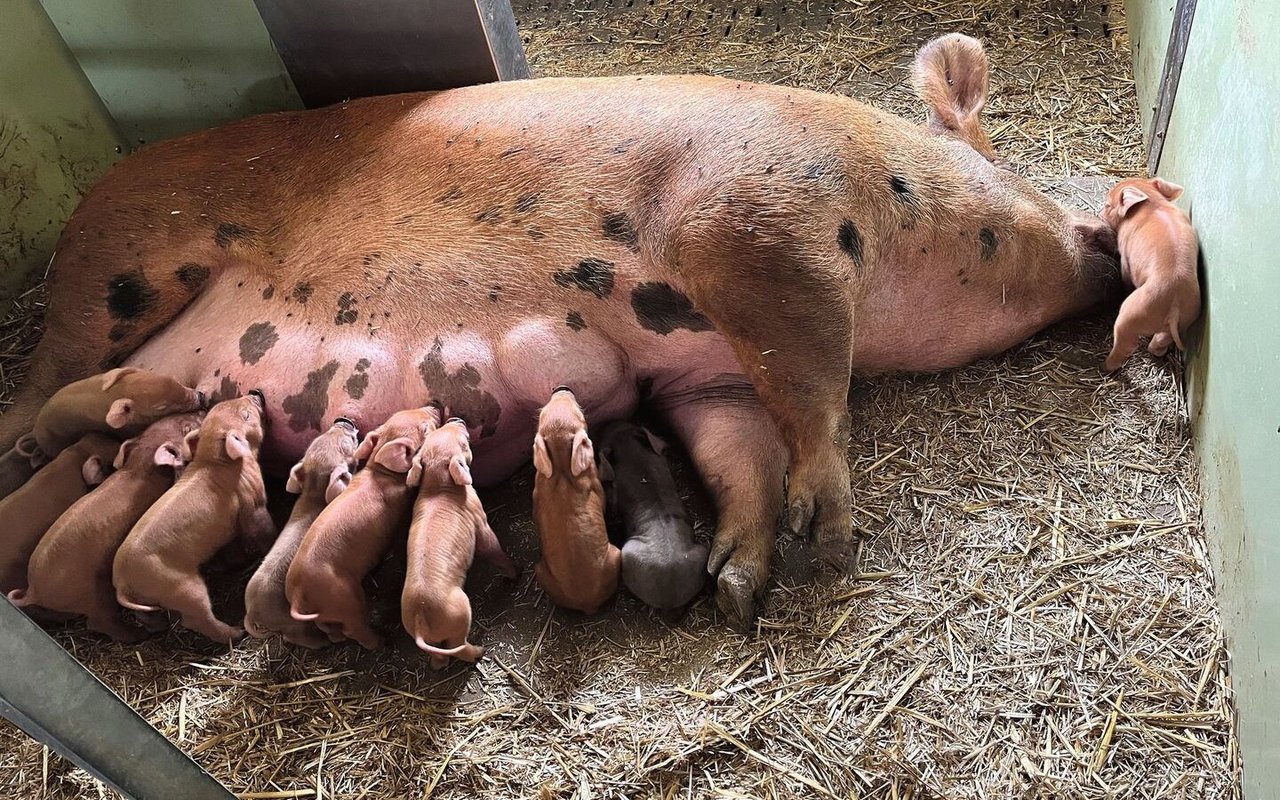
{"x":302,"y":292}
{"x":359,"y":380}
{"x":526,"y":202}
{"x":257,"y":339}
{"x":902,"y":189}
{"x":460,"y":391}
{"x":306,"y":408}
{"x":268,"y":293}
{"x":227,"y":390}
{"x":535,"y":233}
{"x":491,"y":215}
{"x":130,"y":295}
{"x":619,"y":227}
{"x":450,"y":197}
{"x":851,"y":242}
{"x":575,"y":321}
{"x":346,"y":309}
{"x":662,"y":309}
{"x":229,"y":232}
{"x":591,"y":275}
{"x":494,"y":292}
{"x":119,"y":331}
{"x":192,"y":276}
{"x":987,"y":240}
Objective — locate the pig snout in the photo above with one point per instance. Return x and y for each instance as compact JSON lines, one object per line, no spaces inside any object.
{"x":664,"y":574}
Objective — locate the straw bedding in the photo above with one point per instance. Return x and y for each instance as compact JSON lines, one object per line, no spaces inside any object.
{"x":1034,"y":614}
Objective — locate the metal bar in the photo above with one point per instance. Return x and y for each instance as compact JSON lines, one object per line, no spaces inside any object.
{"x":51,"y":696}
{"x":335,"y":50}
{"x":1174,"y":56}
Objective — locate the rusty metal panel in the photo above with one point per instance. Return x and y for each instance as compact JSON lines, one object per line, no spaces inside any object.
{"x":336,"y":50}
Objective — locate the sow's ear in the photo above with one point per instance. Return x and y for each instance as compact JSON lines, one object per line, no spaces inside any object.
{"x":950,"y":76}
{"x":120,"y":413}
{"x":541,"y":458}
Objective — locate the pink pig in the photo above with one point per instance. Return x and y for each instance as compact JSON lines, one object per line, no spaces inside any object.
{"x":1158,"y":250}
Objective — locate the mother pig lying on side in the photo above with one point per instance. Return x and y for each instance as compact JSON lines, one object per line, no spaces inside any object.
{"x":732,"y":251}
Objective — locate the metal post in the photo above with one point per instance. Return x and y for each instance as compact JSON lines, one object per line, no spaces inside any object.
{"x":52,"y":697}
{"x":1174,"y":56}
{"x":336,"y":49}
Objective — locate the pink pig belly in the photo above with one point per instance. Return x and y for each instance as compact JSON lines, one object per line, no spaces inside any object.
{"x":495,"y":370}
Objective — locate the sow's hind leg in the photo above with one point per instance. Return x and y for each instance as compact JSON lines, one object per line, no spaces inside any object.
{"x":787,"y":313}
{"x":110,"y":289}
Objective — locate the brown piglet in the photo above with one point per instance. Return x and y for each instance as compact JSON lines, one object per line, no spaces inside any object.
{"x":579,"y":567}
{"x":219,"y":496}
{"x":352,"y":534}
{"x":449,"y":529}
{"x":19,"y":464}
{"x":123,"y":401}
{"x":27,"y":514}
{"x":323,"y":473}
{"x":1158,"y":253}
{"x":70,"y":570}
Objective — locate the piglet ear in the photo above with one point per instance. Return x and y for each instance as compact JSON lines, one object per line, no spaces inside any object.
{"x":367,"y":447}
{"x":120,"y":413}
{"x":584,"y":454}
{"x":294,"y":484}
{"x":1169,"y":189}
{"x":189,"y":444}
{"x":1130,"y":196}
{"x":541,"y":458}
{"x":123,"y":453}
{"x":92,"y":471}
{"x":339,"y":480}
{"x":657,"y":444}
{"x":395,"y":455}
{"x":110,"y":377}
{"x":237,"y":447}
{"x":414,"y":476}
{"x":167,"y":455}
{"x":460,"y":471}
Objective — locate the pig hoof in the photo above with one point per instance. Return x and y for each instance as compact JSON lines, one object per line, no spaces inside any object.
{"x":836,"y":544}
{"x":738,"y":586}
{"x":800,"y":516}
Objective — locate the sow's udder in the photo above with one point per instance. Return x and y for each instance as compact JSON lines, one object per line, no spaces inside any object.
{"x":496,"y":380}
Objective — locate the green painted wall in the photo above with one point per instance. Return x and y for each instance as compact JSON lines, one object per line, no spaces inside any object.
{"x":1149,"y":23}
{"x":167,"y":67}
{"x":1224,"y":146}
{"x":56,"y":140}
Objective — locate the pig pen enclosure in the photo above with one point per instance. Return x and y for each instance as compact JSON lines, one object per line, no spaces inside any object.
{"x":1034,"y":613}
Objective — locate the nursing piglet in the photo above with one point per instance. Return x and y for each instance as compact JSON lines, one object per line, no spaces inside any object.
{"x":1158,"y":252}
{"x":449,"y":529}
{"x":661,"y":563}
{"x":355,"y":530}
{"x":70,"y":570}
{"x":219,"y":496}
{"x":27,"y":514}
{"x":323,"y":473}
{"x":579,"y":567}
{"x":123,"y":401}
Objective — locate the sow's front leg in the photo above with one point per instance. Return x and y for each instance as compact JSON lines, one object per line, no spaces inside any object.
{"x":741,"y":459}
{"x":786,"y":306}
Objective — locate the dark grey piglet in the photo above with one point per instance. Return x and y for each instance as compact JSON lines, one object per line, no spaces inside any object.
{"x":661,"y":563}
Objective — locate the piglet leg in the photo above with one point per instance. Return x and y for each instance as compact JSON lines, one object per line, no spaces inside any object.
{"x":257,"y":529}
{"x":490,"y":549}
{"x":189,"y":597}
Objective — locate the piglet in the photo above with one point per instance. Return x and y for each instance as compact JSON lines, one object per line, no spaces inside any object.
{"x":219,"y":496}
{"x":1158,"y":252}
{"x":354,"y":531}
{"x":70,"y":571}
{"x":19,"y":464}
{"x":449,"y":528}
{"x":661,"y":563}
{"x":123,"y":401}
{"x":579,"y":567}
{"x":323,"y":473}
{"x":27,"y":514}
